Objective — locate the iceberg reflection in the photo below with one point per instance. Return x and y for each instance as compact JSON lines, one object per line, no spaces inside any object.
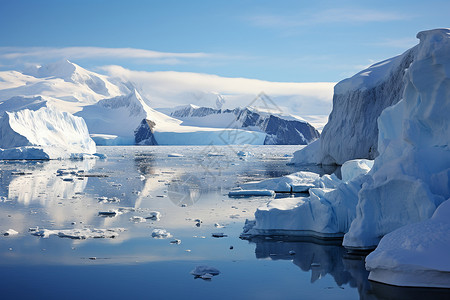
{"x":321,"y":258}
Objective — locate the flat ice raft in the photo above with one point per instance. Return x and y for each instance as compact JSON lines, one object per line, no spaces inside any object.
{"x":79,"y":234}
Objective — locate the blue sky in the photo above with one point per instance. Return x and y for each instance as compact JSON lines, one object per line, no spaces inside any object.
{"x":294,"y":41}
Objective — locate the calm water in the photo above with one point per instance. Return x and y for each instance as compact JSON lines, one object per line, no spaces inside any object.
{"x":134,"y":264}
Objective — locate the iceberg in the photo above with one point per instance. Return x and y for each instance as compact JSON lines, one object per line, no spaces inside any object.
{"x":416,"y":254}
{"x":326,"y":213}
{"x":43,"y":134}
{"x":411,"y":176}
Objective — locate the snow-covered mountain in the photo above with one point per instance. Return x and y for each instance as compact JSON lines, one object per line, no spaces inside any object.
{"x":64,"y":85}
{"x":116,"y":114}
{"x":280,"y":129}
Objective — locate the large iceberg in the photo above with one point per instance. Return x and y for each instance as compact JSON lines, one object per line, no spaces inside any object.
{"x":351,"y":131}
{"x":43,"y":134}
{"x":409,"y":179}
{"x":411,"y":176}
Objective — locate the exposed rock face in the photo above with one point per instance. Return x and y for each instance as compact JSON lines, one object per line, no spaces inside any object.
{"x":143,"y":135}
{"x":280,"y":130}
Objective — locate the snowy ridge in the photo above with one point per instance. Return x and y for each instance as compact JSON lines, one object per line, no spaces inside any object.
{"x":281,"y":129}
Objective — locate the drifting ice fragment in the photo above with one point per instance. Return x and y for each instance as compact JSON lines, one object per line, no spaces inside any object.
{"x":205,"y":272}
{"x":161,"y":234}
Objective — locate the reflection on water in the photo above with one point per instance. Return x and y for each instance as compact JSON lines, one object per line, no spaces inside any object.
{"x":70,"y":194}
{"x":320,"y":258}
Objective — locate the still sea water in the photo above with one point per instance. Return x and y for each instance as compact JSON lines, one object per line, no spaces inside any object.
{"x":190,"y":191}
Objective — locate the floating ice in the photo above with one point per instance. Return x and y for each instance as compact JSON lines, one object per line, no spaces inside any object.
{"x":137,"y":219}
{"x":296,"y":182}
{"x":218,"y":235}
{"x":10,"y":232}
{"x":161,"y":234}
{"x":84,"y":233}
{"x":175,"y":155}
{"x":205,"y":272}
{"x":154,"y":216}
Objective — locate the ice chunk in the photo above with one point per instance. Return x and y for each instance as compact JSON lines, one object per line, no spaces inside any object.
{"x":218,"y":234}
{"x":327,"y":212}
{"x":251,"y":193}
{"x":161,"y":234}
{"x":175,"y":155}
{"x":83,"y":233}
{"x":416,"y":254}
{"x":154,"y":216}
{"x":296,"y":182}
{"x":10,"y":232}
{"x":109,"y":213}
{"x":353,"y":168}
{"x":137,"y":219}
{"x":205,"y":272}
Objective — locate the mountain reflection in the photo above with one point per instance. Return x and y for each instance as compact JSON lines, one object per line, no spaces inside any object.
{"x":321,"y":258}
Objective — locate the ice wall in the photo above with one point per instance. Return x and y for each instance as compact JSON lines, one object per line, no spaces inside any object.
{"x":43,"y":134}
{"x":411,"y":176}
{"x":351,"y":131}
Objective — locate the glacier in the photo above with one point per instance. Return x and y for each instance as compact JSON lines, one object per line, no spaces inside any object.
{"x":407,"y":183}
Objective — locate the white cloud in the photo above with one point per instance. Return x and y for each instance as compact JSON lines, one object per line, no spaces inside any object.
{"x":15,"y":53}
{"x":169,"y":89}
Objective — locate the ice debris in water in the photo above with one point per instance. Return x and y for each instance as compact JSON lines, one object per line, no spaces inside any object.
{"x":81,"y":234}
{"x":109,"y":213}
{"x":175,"y":155}
{"x":218,"y":234}
{"x":161,"y":234}
{"x":205,"y":272}
{"x":137,"y":219}
{"x":108,"y":200}
{"x":176,"y":241}
{"x":154,"y":216}
{"x":10,"y":232}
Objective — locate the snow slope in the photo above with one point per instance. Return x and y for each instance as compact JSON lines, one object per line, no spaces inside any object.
{"x":64,"y":84}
